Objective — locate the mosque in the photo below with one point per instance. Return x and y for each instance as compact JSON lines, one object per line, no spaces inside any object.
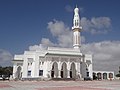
{"x":55,"y":62}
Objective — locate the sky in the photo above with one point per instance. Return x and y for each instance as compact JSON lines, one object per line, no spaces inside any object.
{"x":26,"y":24}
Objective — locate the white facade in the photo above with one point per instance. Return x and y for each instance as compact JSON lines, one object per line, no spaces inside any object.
{"x":55,"y":62}
{"x":52,"y":63}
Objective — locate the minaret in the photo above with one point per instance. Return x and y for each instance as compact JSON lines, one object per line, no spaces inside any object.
{"x":76,"y":29}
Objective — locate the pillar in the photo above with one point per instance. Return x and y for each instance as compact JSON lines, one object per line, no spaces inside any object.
{"x":68,"y":73}
{"x":59,"y":73}
{"x":68,"y":70}
{"x":59,"y":69}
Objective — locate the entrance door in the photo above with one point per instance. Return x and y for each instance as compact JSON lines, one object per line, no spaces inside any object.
{"x":19,"y":74}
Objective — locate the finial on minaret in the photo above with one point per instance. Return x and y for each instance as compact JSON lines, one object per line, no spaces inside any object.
{"x":76,"y":5}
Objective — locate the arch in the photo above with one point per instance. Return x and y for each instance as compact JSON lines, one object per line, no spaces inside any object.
{"x":99,"y":76}
{"x":64,"y":70}
{"x":94,"y":76}
{"x":18,"y":73}
{"x":104,"y":75}
{"x":110,"y":75}
{"x":72,"y":71}
{"x":54,"y":71}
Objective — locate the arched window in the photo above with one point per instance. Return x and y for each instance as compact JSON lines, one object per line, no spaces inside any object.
{"x":72,"y":71}
{"x":99,"y":75}
{"x":110,"y":75}
{"x":104,"y":75}
{"x":64,"y":70}
{"x":54,"y":71}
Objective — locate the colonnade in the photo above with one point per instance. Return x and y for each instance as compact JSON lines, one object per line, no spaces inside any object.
{"x":63,"y":70}
{"x":104,"y":75}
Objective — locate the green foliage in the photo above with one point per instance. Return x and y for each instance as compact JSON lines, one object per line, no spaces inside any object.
{"x":6,"y":70}
{"x":118,"y":75}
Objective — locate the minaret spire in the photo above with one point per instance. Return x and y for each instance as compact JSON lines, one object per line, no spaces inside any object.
{"x":76,"y":5}
{"x":76,"y":29}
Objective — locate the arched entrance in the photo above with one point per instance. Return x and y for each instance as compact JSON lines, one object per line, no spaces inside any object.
{"x":64,"y":70}
{"x":99,"y":76}
{"x":18,"y":73}
{"x":72,"y":71}
{"x":54,"y":71}
{"x":94,"y":76}
{"x":104,"y":75}
{"x":110,"y":75}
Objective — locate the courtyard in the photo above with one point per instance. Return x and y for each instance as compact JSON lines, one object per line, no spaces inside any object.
{"x":60,"y":85}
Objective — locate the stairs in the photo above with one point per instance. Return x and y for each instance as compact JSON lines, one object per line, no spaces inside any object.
{"x":63,"y":79}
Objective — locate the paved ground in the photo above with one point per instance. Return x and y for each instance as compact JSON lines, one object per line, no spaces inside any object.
{"x":60,"y":85}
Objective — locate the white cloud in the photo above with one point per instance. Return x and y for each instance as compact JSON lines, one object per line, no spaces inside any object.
{"x":46,"y":42}
{"x":35,"y":47}
{"x":56,"y":27}
{"x":99,"y":25}
{"x":5,"y":58}
{"x":105,"y":54}
{"x":68,"y":8}
{"x":65,"y":40}
{"x":62,"y":33}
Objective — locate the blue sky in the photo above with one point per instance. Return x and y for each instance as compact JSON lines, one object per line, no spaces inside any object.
{"x":24,"y":23}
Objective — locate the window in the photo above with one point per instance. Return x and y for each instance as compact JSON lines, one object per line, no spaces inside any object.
{"x":40,"y":72}
{"x":87,"y":74}
{"x":41,"y":63}
{"x":30,"y":61}
{"x":29,"y":73}
{"x":110,"y":75}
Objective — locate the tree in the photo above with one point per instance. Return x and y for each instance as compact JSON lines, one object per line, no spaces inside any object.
{"x":1,"y":71}
{"x":119,"y":69}
{"x":118,"y":75}
{"x":5,"y":72}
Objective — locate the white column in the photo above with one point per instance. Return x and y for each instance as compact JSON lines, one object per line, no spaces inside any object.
{"x":59,"y":69}
{"x":101,"y":76}
{"x":107,"y":75}
{"x":68,"y":70}
{"x":59,"y":73}
{"x":78,"y":70}
{"x":55,"y":75}
{"x":25,"y":69}
{"x":68,"y":73}
{"x":45,"y":69}
{"x":14,"y":70}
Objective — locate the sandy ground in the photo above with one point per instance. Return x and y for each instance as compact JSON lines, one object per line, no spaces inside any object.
{"x":60,"y":85}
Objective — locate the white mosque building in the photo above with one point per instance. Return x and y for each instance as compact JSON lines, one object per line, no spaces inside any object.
{"x":55,"y":62}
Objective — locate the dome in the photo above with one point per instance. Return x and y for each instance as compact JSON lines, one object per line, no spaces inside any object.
{"x":76,"y":10}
